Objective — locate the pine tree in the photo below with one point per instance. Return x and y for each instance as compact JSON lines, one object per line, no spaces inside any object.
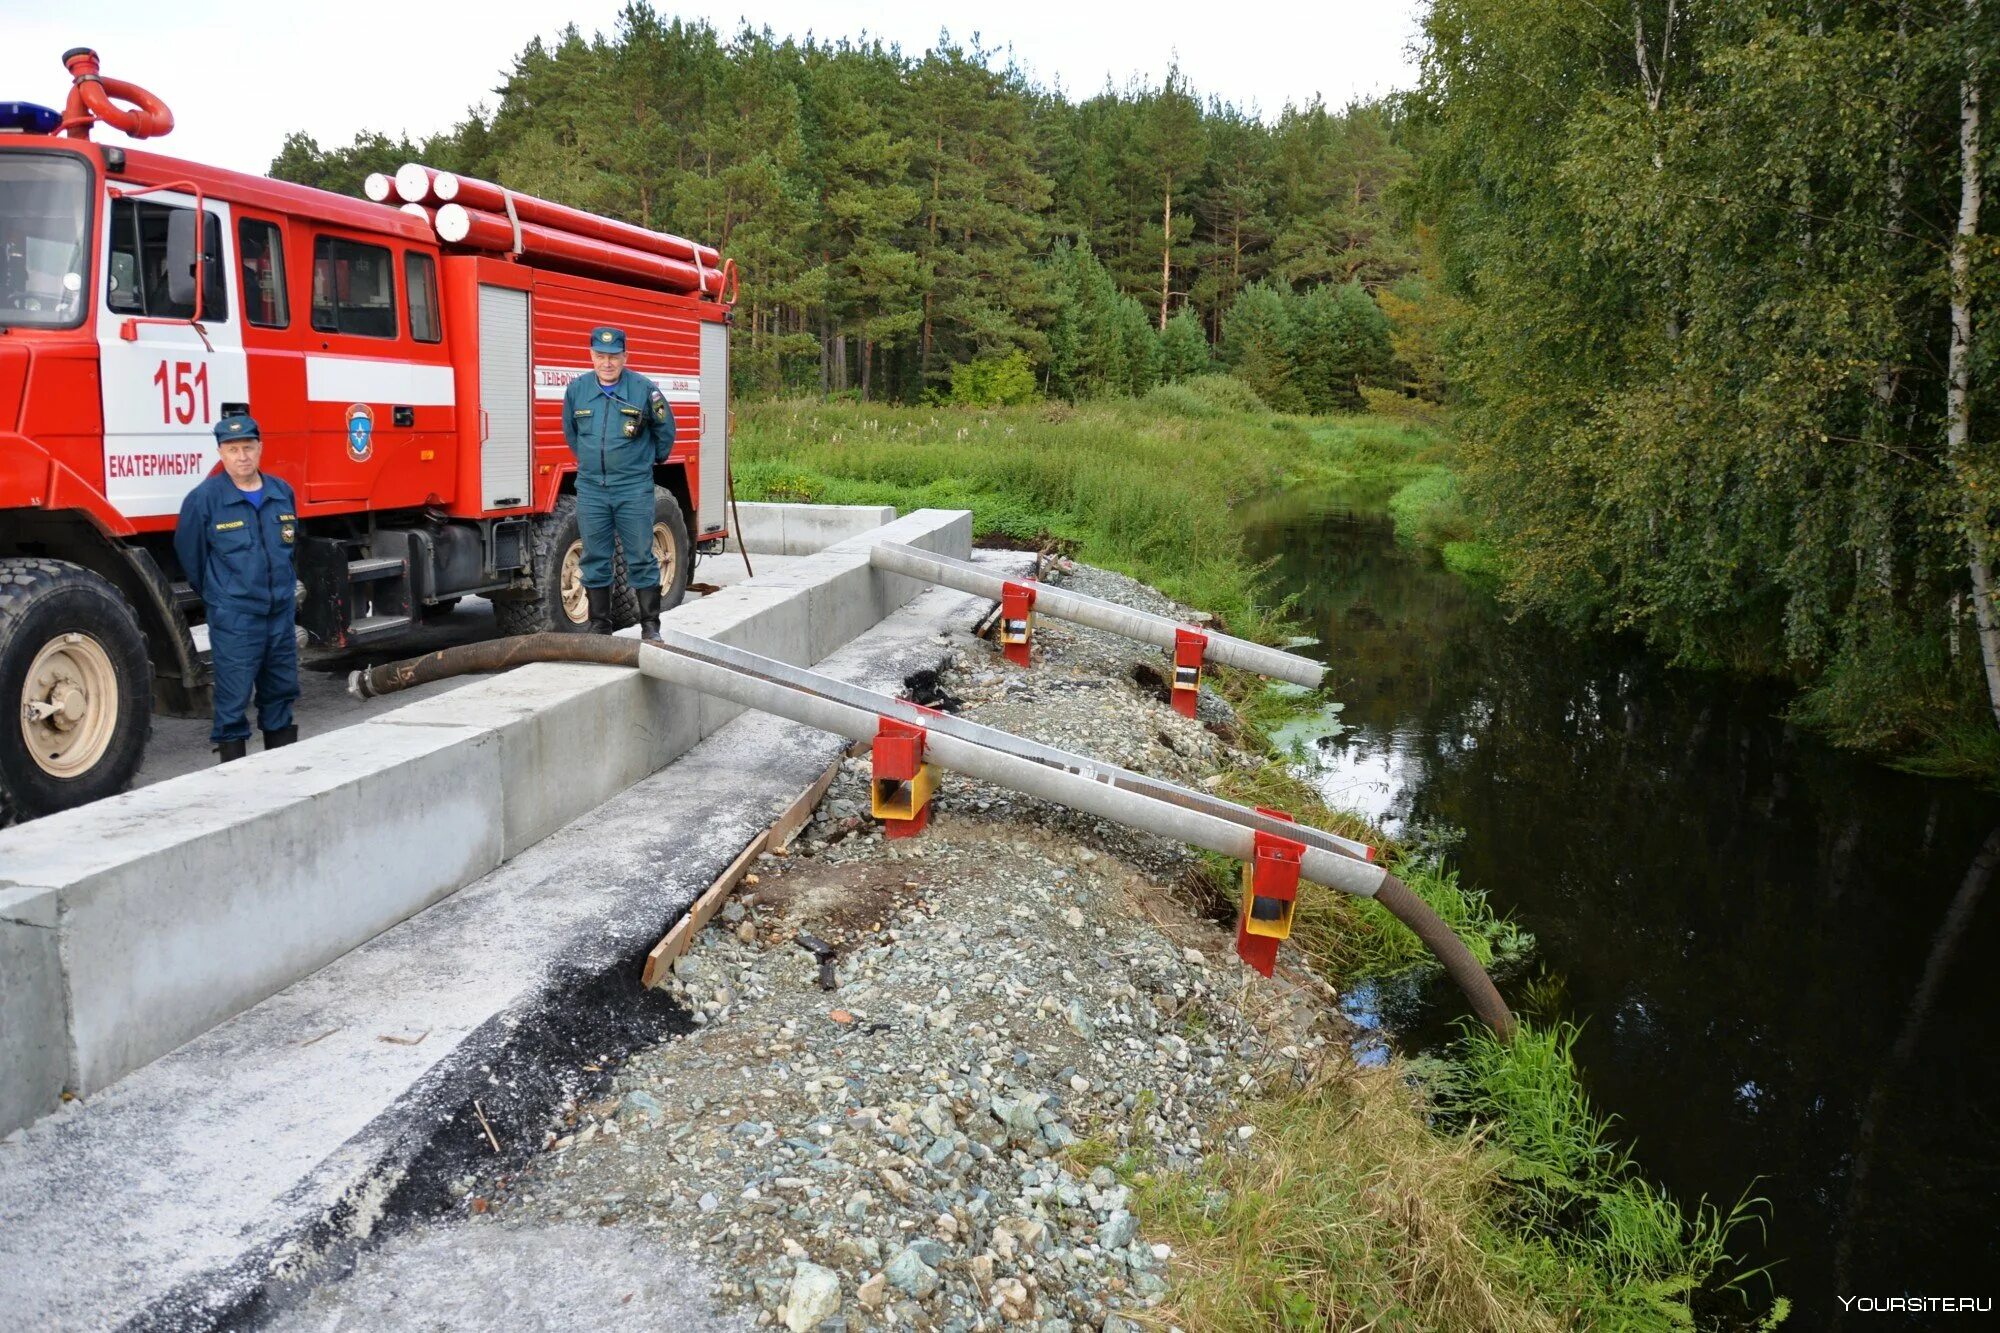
{"x":1183,"y":348}
{"x":1259,"y":344}
{"x":1340,"y":341}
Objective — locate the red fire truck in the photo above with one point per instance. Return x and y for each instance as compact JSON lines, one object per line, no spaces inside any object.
{"x":408,"y":389}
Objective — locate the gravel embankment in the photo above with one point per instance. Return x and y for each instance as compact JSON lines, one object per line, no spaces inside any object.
{"x":1025,"y":1016}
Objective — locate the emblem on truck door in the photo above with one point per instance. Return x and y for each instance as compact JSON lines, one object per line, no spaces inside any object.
{"x":360,"y":432}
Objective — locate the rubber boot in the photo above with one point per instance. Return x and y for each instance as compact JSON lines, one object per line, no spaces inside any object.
{"x":282,"y":736}
{"x":231,"y":750}
{"x":649,"y":612}
{"x":600,"y":609}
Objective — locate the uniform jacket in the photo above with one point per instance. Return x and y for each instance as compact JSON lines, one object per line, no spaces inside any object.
{"x":236,"y":555}
{"x":617,"y":437}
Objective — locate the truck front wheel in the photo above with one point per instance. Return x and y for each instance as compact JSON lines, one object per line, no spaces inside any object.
{"x":76,"y":684}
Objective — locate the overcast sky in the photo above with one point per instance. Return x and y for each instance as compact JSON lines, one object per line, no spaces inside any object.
{"x":239,"y":76}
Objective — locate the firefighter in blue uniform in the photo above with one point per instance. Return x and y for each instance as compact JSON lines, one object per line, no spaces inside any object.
{"x":235,"y":541}
{"x":618,"y":424}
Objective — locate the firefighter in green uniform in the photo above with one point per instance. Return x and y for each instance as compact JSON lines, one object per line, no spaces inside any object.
{"x":618,"y":424}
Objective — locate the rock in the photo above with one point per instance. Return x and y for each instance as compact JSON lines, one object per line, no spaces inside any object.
{"x":930,"y":1251}
{"x":1119,"y":1324}
{"x":856,"y":1207}
{"x":872,"y":1293}
{"x":898,"y":1187}
{"x":1012,"y":1298}
{"x":639,"y":1102}
{"x":1018,"y":1115}
{"x":1079,"y":1020}
{"x":814,"y":1296}
{"x":1117,"y":1231}
{"x":709,"y":1203}
{"x":1026,"y":1232}
{"x":911,"y":1274}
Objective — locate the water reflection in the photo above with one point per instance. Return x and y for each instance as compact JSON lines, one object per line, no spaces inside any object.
{"x":1739,"y":915}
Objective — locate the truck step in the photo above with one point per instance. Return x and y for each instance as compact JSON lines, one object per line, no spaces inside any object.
{"x":369,"y":627}
{"x":380,"y":567}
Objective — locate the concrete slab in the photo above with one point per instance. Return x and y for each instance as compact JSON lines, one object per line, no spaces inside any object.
{"x":180,"y":745}
{"x":224,"y":1179}
{"x":34,"y":1025}
{"x":800,"y":529}
{"x":184,"y":902}
{"x":189,"y":901}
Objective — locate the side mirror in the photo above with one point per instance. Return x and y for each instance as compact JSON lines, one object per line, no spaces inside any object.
{"x":181,"y":246}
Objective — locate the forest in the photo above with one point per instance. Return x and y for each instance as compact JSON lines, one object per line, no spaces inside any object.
{"x":897,"y":217}
{"x":1703,"y":290}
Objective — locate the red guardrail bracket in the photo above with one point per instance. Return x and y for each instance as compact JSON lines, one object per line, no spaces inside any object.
{"x":1017,"y":620}
{"x":900,"y":793}
{"x":1190,"y":645}
{"x":1270,"y":893}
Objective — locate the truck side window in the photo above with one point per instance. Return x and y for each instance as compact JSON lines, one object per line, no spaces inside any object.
{"x":354,"y":288}
{"x":261,"y":251}
{"x":420,"y":281}
{"x":138,"y":278}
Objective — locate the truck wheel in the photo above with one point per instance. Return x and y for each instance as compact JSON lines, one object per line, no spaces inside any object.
{"x":554,"y":551}
{"x":76,"y":685}
{"x":672,"y":549}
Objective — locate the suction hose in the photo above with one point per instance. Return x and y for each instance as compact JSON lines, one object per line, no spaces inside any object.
{"x":501,"y":654}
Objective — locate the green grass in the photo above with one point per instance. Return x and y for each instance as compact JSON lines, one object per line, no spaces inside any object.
{"x":1352,"y":1208}
{"x":1143,"y":487}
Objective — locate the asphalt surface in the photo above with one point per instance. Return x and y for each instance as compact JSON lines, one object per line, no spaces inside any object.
{"x":181,"y":745}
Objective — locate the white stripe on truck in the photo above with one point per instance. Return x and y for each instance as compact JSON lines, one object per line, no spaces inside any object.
{"x":367,"y":379}
{"x":551,"y":381}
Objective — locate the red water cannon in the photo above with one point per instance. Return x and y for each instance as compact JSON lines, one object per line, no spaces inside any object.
{"x":91,"y":97}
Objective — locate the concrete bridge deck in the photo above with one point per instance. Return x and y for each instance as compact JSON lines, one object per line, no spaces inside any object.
{"x":238,"y":1161}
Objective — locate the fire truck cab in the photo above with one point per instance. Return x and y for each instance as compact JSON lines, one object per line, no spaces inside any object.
{"x":410,"y":396}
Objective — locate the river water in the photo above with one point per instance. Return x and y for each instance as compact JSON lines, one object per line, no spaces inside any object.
{"x":1786,"y":959}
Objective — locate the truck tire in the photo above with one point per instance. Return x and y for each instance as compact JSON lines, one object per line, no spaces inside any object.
{"x":672,"y":549}
{"x":555,"y":560}
{"x":76,"y":686}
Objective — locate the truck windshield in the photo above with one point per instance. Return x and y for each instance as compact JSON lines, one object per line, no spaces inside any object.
{"x":44,"y":239}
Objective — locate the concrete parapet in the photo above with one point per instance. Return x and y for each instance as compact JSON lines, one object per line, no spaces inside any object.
{"x":802,"y":529}
{"x":129,"y":926}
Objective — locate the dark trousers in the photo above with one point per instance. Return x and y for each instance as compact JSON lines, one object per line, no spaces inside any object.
{"x":623,"y":512}
{"x":251,"y":651}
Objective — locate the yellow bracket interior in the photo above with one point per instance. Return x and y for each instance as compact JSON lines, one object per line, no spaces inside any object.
{"x":892,"y":799}
{"x":1275,"y":927}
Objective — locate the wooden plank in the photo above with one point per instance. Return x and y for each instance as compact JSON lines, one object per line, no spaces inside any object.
{"x":704,"y":908}
{"x":789,"y":823}
{"x":676,"y":941}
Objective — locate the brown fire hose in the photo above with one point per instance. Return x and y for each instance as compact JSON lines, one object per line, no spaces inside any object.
{"x":501,"y":654}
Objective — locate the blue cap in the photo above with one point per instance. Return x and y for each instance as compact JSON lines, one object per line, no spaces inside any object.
{"x":608,"y":340}
{"x":241,"y":426}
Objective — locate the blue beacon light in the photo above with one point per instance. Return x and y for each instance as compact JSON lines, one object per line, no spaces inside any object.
{"x":28,"y":118}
